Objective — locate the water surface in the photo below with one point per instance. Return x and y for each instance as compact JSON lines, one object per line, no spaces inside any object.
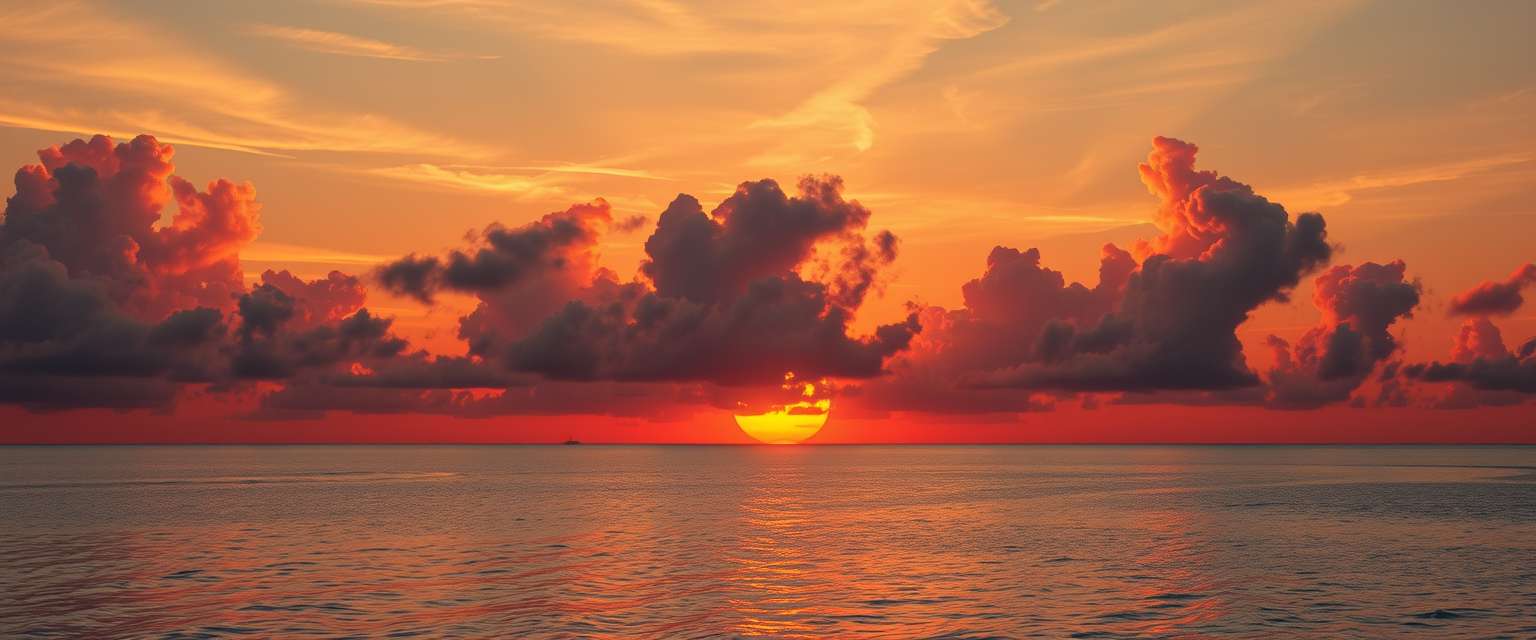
{"x":669,"y":542}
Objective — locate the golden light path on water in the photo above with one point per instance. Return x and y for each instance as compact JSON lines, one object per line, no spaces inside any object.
{"x":792,"y":422}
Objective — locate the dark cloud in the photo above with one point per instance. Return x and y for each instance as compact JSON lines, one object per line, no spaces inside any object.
{"x":421,"y":370}
{"x":55,"y":330}
{"x":728,"y":303}
{"x":1499,"y":374}
{"x":1359,"y":304}
{"x":1025,"y":337}
{"x":520,"y":276}
{"x":270,"y":352}
{"x":758,"y":232}
{"x":414,"y":276}
{"x":44,"y":393}
{"x":95,"y":286}
{"x":778,"y":325}
{"x":559,"y":246}
{"x":1495,"y":298}
{"x":1484,"y":371}
{"x":1017,"y":311}
{"x":103,"y":303}
{"x":263,"y":311}
{"x":319,"y":301}
{"x":1488,"y":371}
{"x":736,"y":296}
{"x":95,"y":207}
{"x":631,"y":224}
{"x":1478,"y":339}
{"x":1224,"y":251}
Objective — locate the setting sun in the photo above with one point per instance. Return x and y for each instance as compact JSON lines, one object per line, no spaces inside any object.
{"x":791,"y":422}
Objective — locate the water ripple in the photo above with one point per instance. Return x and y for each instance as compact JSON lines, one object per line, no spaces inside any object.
{"x":950,"y":542}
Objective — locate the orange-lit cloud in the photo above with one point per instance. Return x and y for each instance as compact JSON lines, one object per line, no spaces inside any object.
{"x":1495,"y":298}
{"x":107,"y":301}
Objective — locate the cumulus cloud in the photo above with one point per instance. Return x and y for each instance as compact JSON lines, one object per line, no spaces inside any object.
{"x":96,"y":208}
{"x":1495,"y":298}
{"x":103,"y":302}
{"x":779,"y":324}
{"x":737,"y":295}
{"x":1160,"y":324}
{"x":1358,"y":304}
{"x":757,"y":232}
{"x":1514,"y":373}
{"x":1482,"y":369}
{"x":1017,"y":311}
{"x":520,"y":276}
{"x":121,"y":283}
{"x":726,"y":302}
{"x":95,"y":284}
{"x":1224,"y":251}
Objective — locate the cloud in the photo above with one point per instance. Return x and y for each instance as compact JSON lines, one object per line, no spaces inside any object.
{"x":319,"y":301}
{"x":260,"y":251}
{"x":757,"y":232}
{"x":520,"y":276}
{"x":473,"y":179}
{"x":1514,"y":373}
{"x":95,"y":285}
{"x":1478,"y":338}
{"x":55,"y":326}
{"x":1017,"y":311}
{"x":779,"y":324}
{"x":1359,"y":304}
{"x":1223,"y":252}
{"x":121,"y":284}
{"x":1163,"y":317}
{"x":729,"y":304}
{"x":596,"y":170}
{"x":842,"y":54}
{"x":1485,"y":371}
{"x":723,"y":298}
{"x":95,"y":207}
{"x":1334,"y":193}
{"x":350,"y":45}
{"x":269,"y":350}
{"x":57,"y":49}
{"x":1495,"y":298}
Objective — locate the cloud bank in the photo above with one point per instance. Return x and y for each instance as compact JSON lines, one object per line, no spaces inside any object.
{"x":121,"y":286}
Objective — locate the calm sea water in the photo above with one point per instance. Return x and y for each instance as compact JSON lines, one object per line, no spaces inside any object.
{"x":690,"y":542}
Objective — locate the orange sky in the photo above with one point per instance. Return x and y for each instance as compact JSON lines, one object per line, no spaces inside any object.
{"x":373,"y":129}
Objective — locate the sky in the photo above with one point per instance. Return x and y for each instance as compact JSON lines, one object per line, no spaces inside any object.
{"x":630,"y":221}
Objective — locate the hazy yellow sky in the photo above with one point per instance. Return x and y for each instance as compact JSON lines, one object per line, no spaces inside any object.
{"x":373,"y":128}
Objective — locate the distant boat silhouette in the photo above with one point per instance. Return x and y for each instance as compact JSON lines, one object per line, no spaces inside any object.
{"x":570,"y":440}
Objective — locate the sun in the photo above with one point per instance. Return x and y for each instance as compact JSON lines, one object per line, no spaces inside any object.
{"x":789,"y":422}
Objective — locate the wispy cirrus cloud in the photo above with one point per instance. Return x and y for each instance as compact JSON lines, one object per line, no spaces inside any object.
{"x":528,"y":181}
{"x":76,"y":68}
{"x":1332,"y":193}
{"x":344,"y":44}
{"x":471,"y":179}
{"x":284,"y":253}
{"x":592,"y":169}
{"x":834,"y":56}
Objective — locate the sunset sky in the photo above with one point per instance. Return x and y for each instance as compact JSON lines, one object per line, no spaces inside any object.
{"x":498,"y":184}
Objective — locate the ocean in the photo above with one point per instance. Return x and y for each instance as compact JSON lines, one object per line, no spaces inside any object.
{"x":784,"y":542}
